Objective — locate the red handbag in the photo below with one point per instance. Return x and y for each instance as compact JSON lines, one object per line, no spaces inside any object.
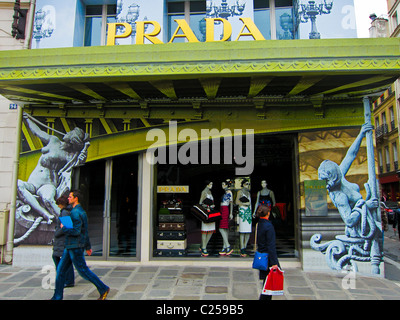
{"x":273,"y":285}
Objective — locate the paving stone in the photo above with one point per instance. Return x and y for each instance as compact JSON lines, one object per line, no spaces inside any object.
{"x":164,"y":284}
{"x":300,"y":291}
{"x":326,"y":285}
{"x":136,"y":287}
{"x":19,"y":277}
{"x":158,"y":293}
{"x":188,"y":290}
{"x":194,"y":270}
{"x":192,"y":275}
{"x":210,"y":289}
{"x":18,"y":293}
{"x":215,"y":297}
{"x":148,"y":269}
{"x":130,"y":296}
{"x":177,"y":297}
{"x":34,"y":282}
{"x":243,"y":276}
{"x":118,"y":273}
{"x":295,"y":281}
{"x":332,"y":295}
{"x":217,"y":281}
{"x":244,"y":291}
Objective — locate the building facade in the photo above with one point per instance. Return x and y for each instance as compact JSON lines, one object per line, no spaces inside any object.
{"x":142,"y":107}
{"x":387,"y":142}
{"x":13,"y":36}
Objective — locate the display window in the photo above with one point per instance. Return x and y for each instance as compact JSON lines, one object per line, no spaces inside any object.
{"x":206,"y":210}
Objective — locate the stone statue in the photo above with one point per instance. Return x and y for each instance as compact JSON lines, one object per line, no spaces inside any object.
{"x":51,"y":177}
{"x":363,"y":231}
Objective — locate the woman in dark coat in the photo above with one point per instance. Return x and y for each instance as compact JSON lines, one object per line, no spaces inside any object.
{"x":266,"y":242}
{"x":59,"y":241}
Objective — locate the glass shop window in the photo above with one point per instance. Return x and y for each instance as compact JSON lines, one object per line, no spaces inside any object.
{"x":285,"y":29}
{"x":271,"y":15}
{"x":262,"y":17}
{"x":187,"y":192}
{"x":193,"y":11}
{"x":96,"y":19}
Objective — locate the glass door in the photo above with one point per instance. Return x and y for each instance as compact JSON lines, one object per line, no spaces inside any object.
{"x":123,"y":207}
{"x":110,"y":199}
{"x":90,"y":180}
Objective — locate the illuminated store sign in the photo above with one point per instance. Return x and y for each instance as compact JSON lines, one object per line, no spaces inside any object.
{"x":172,"y":189}
{"x":183,"y":30}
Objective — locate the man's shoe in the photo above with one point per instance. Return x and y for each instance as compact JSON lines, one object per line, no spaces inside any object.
{"x":104,"y":295}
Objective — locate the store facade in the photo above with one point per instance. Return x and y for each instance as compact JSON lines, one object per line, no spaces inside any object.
{"x":159,"y":122}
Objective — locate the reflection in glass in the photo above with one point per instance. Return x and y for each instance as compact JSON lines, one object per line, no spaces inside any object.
{"x":284,"y":24}
{"x":262,"y":21}
{"x":172,"y":25}
{"x":197,"y":23}
{"x":93,"y":31}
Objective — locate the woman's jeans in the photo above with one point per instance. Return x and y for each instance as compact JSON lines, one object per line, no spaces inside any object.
{"x":70,"y":276}
{"x":75,"y":257}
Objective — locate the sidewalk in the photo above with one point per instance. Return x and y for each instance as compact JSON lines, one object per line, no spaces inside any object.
{"x":204,"y":283}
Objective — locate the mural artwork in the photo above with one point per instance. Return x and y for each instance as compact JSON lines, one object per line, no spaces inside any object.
{"x":362,"y":240}
{"x":36,"y":209}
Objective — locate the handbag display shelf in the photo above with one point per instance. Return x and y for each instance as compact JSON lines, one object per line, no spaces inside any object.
{"x":171,"y":226}
{"x":205,"y":215}
{"x":171,"y":244}
{"x":171,"y":218}
{"x":170,"y":253}
{"x":171,"y":233}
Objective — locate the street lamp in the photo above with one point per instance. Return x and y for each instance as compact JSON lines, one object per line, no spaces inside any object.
{"x":224,"y":11}
{"x":311,"y":11}
{"x":38,"y":32}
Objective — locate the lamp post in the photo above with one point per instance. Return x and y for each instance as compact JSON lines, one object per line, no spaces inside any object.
{"x":38,"y":32}
{"x":224,"y":11}
{"x":131,"y":17}
{"x":311,"y":11}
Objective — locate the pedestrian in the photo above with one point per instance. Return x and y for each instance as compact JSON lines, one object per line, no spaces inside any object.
{"x":396,"y":220}
{"x":59,"y":241}
{"x":266,"y":243}
{"x":76,"y":241}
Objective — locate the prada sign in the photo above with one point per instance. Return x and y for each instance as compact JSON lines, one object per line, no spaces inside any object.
{"x":183,"y":30}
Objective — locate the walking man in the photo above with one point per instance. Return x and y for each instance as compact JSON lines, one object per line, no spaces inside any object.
{"x":76,"y":241}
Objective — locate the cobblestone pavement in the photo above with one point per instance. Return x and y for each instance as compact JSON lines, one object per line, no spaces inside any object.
{"x":195,"y":283}
{"x":141,"y":282}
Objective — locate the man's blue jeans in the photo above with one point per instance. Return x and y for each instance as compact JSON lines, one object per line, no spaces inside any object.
{"x":69,"y":276}
{"x":76,"y":257}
